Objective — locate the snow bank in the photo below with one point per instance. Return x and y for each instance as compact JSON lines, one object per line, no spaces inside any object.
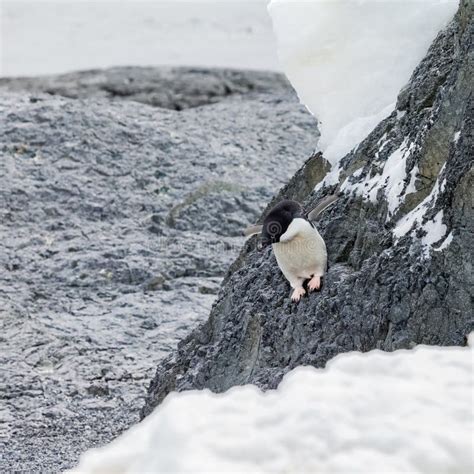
{"x":348,"y":59}
{"x":407,"y":411}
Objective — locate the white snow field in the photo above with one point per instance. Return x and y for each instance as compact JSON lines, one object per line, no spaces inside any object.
{"x":406,"y":411}
{"x":348,"y":59}
{"x":57,"y":36}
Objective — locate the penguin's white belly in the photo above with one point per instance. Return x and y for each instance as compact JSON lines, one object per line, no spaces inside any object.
{"x":303,"y":256}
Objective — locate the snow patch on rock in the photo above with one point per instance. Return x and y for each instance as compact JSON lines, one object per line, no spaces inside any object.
{"x":331,"y":178}
{"x":445,"y":243}
{"x":415,"y":217}
{"x":433,"y":229}
{"x":392,"y":179}
{"x":411,"y":188}
{"x":406,"y":411}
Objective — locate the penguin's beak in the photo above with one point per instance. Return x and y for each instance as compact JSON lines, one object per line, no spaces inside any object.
{"x":262,"y":244}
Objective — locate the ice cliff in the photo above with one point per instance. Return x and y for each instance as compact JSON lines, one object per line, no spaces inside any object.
{"x":348,"y":59}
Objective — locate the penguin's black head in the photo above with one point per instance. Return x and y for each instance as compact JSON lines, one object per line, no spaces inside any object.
{"x":277,"y":221}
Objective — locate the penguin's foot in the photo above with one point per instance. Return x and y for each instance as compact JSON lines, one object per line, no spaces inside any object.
{"x":297,"y":294}
{"x":314,"y":283}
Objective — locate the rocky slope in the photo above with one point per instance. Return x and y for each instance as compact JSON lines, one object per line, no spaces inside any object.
{"x":400,"y":244}
{"x":118,"y":220}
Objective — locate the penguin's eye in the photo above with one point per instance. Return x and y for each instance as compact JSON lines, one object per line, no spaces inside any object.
{"x":274,"y":229}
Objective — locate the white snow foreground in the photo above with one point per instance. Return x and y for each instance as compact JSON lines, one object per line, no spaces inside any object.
{"x":348,"y":59}
{"x":406,"y":411}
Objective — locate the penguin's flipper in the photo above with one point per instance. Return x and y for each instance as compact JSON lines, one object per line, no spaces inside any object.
{"x":253,"y":230}
{"x":295,"y":228}
{"x":322,"y":206}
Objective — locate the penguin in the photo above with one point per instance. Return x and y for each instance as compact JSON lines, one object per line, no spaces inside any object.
{"x":299,"y":249}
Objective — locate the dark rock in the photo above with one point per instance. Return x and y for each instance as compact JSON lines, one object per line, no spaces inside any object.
{"x":155,"y":282}
{"x":98,"y":390}
{"x":378,"y":293}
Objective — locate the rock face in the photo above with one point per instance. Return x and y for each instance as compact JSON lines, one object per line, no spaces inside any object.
{"x":118,"y":221}
{"x":400,"y":244}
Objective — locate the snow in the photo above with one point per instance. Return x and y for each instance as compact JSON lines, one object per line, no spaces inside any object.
{"x":381,"y":143}
{"x":401,"y":114}
{"x":456,"y":136}
{"x":433,"y":229}
{"x":416,"y":215}
{"x":411,"y":188}
{"x":348,"y":59}
{"x":445,"y":243}
{"x":406,"y":411}
{"x":331,"y":178}
{"x":48,"y":37}
{"x":351,"y":134}
{"x":391,"y":179}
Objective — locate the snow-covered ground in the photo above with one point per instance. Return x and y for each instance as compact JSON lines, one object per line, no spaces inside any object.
{"x":40,"y":37}
{"x":407,"y":411}
{"x":348,"y":59}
